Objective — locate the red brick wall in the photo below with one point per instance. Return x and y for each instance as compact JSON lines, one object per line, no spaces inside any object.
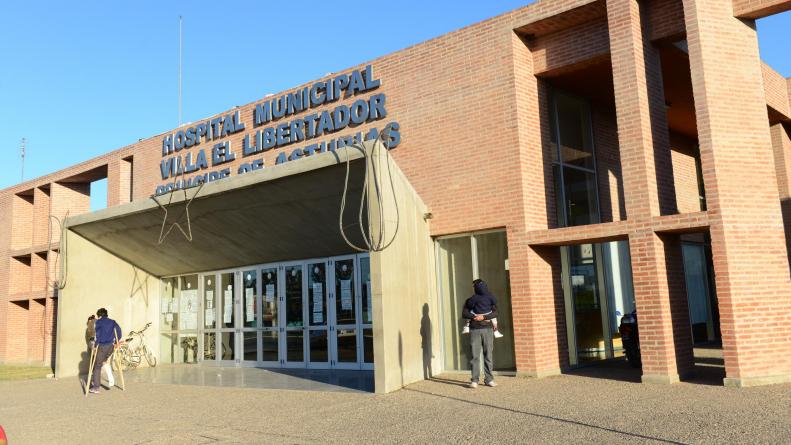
{"x":570,"y":47}
{"x":649,"y":192}
{"x":39,"y":272}
{"x":16,"y":340}
{"x":40,"y":216}
{"x":119,"y":182}
{"x":665,"y":19}
{"x":69,"y":198}
{"x":685,"y":174}
{"x":36,"y":331}
{"x":748,"y":248}
{"x":754,"y":9}
{"x":608,"y":165}
{"x":22,"y":221}
{"x":776,"y":89}
{"x":50,"y":331}
{"x":20,"y":274}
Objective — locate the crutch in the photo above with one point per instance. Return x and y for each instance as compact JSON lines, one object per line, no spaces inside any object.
{"x":92,"y":362}
{"x":117,"y":358}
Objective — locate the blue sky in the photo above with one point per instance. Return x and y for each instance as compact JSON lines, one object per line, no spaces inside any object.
{"x":79,"y":81}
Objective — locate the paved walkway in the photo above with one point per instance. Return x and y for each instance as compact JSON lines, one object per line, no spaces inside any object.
{"x":294,"y":379}
{"x":565,"y":409}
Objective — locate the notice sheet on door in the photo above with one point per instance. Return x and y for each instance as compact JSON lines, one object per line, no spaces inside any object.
{"x":318,"y":303}
{"x":249,"y":305}
{"x":227,"y":312}
{"x":188,"y":311}
{"x":368,"y":298}
{"x":270,"y":293}
{"x":346,"y":295}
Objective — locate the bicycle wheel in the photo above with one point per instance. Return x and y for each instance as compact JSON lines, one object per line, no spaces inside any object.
{"x":128,"y":358}
{"x":150,"y":358}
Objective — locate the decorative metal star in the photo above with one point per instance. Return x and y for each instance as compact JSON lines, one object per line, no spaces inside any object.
{"x":188,"y":233}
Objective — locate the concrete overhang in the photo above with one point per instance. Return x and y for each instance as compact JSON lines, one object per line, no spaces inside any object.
{"x":289,"y":211}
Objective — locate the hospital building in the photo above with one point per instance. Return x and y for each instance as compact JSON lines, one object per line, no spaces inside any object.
{"x":585,"y":158}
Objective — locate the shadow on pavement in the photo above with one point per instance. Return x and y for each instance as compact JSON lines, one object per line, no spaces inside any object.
{"x":615,"y":369}
{"x":709,"y":369}
{"x":548,"y":417}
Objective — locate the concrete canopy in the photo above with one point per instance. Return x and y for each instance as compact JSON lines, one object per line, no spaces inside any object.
{"x":279,"y":213}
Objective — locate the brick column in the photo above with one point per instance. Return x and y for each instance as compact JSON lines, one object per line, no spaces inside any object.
{"x":119,"y":181}
{"x":644,"y":145}
{"x":539,"y":325}
{"x":781,"y":143}
{"x":749,"y":253}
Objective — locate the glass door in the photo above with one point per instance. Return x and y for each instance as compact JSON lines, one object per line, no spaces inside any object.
{"x":270,"y":321}
{"x":585,"y":302}
{"x":460,"y":260}
{"x":292,"y":328}
{"x":318,"y":326}
{"x":346,"y":307}
{"x":229,"y":329}
{"x":209,"y":316}
{"x":366,"y":311}
{"x":250,"y":316}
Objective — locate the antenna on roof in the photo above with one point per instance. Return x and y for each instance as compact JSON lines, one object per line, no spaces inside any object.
{"x":180,"y":46}
{"x":22,"y":153}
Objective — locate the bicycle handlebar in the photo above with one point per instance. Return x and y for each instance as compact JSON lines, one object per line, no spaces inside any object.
{"x":140,"y":331}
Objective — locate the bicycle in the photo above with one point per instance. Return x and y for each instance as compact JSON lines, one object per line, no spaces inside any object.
{"x":131,"y":357}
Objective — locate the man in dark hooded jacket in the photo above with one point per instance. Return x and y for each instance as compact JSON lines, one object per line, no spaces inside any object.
{"x":480,"y":309}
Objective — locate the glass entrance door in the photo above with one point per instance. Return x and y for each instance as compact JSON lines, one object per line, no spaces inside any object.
{"x":250,"y":316}
{"x":586,"y":307}
{"x":366,"y":312}
{"x":318,"y":322}
{"x":209,"y":316}
{"x":346,"y":308}
{"x":227,"y":319}
{"x":460,"y":260}
{"x":270,"y":315}
{"x":292,"y":328}
{"x":301,"y":314}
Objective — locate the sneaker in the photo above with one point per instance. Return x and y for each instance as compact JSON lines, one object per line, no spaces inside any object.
{"x":94,"y":391}
{"x":465,"y":330}
{"x":491,"y":384}
{"x":473,"y":385}
{"x":497,"y":334}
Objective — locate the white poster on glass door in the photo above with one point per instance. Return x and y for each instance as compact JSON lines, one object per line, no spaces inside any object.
{"x":346,"y":295}
{"x":249,"y":305}
{"x":227,"y":306}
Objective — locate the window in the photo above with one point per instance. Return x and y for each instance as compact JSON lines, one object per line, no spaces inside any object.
{"x":574,"y":162}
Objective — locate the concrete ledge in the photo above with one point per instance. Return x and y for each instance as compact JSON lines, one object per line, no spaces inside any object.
{"x":744,"y":382}
{"x":660,"y":379}
{"x":539,"y":374}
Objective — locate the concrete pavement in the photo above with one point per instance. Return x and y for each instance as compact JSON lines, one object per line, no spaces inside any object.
{"x":564,"y":409}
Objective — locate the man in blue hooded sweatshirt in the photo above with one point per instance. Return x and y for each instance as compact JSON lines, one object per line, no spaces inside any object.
{"x":480,"y":309}
{"x":107,"y":331}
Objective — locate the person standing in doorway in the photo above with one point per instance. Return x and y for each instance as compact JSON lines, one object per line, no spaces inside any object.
{"x":480,"y":309}
{"x":107,"y":330}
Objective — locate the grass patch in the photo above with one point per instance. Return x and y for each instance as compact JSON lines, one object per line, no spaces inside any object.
{"x":14,"y":372}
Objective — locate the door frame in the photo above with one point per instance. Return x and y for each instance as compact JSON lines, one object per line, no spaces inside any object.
{"x":307,"y":297}
{"x":357,"y":303}
{"x":257,"y":313}
{"x":441,"y":304}
{"x":360,"y":322}
{"x":278,"y":298}
{"x":284,"y":329}
{"x":239,"y":311}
